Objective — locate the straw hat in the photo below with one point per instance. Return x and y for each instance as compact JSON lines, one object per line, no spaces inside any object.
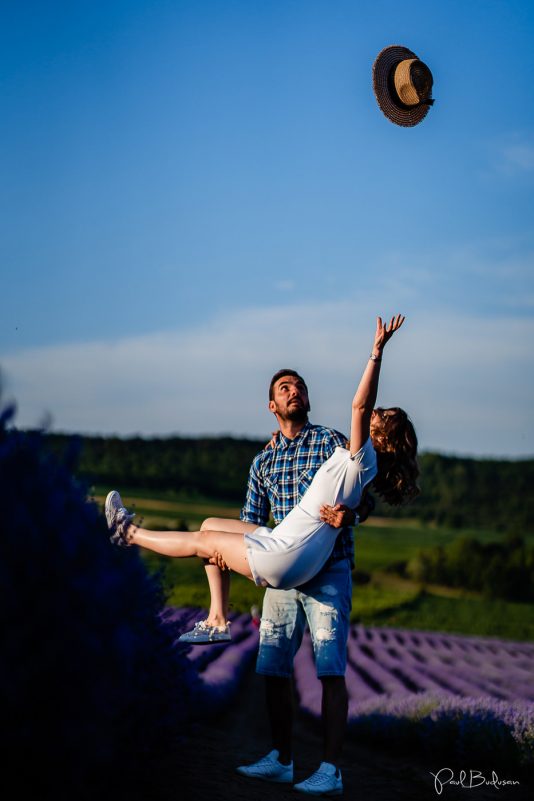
{"x":402,"y":85}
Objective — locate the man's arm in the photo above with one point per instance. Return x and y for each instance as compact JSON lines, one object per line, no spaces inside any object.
{"x":256,"y":508}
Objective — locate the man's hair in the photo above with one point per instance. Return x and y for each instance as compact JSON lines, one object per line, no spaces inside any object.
{"x":280,"y":374}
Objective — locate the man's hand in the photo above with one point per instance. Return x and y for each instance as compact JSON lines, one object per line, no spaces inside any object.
{"x":337,"y":516}
{"x":272,"y":442}
{"x":340,"y":515}
{"x":217,"y":559}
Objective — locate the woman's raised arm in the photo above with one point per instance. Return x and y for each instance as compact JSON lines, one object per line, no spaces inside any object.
{"x":365,"y":398}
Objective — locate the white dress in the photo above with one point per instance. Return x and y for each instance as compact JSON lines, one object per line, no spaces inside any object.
{"x":297,"y":548}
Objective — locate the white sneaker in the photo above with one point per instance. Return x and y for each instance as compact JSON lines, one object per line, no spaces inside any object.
{"x":325,"y":781}
{"x":268,"y":769}
{"x":202,"y":634}
{"x":118,"y":519}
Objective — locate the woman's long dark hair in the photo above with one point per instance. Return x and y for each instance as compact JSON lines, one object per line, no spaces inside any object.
{"x":395,"y":443}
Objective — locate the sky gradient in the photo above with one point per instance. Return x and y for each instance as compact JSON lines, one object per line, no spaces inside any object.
{"x":196,"y":194}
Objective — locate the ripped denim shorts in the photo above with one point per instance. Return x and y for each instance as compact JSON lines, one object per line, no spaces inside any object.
{"x":324,"y":603}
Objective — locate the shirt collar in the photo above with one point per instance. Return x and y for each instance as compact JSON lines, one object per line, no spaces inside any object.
{"x":285,"y":442}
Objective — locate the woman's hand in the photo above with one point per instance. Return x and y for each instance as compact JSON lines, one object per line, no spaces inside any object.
{"x":365,"y":397}
{"x":384,"y":332}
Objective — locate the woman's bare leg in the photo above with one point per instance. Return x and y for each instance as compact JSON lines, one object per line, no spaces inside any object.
{"x":219,"y":584}
{"x":219,"y":580}
{"x":175,"y":543}
{"x":231,"y":545}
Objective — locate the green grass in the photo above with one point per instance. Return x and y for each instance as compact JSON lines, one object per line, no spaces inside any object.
{"x":385,"y":600}
{"x":511,"y":621}
{"x":184,"y":582}
{"x":373,"y":599}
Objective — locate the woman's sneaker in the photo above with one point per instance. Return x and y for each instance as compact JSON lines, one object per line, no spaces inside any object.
{"x":268,"y":769}
{"x":203,"y":634}
{"x":325,"y":781}
{"x":118,"y":519}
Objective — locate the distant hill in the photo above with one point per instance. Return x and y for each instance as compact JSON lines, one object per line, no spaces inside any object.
{"x":455,"y":491}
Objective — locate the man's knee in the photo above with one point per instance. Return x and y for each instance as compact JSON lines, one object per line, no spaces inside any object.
{"x":279,"y":685}
{"x":208,"y":524}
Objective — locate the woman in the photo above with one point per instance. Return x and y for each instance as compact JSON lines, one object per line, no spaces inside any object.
{"x":382,"y":448}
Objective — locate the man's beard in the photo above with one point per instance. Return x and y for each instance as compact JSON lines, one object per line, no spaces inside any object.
{"x":295,"y":412}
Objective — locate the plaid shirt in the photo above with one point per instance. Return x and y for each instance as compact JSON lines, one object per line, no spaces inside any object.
{"x":280,"y":476}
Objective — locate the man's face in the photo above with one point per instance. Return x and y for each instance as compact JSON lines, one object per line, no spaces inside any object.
{"x":290,"y":399}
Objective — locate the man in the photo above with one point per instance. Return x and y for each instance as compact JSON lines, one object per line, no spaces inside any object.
{"x":278,"y":478}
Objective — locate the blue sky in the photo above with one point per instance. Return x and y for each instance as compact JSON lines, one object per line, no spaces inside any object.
{"x":195,"y":194}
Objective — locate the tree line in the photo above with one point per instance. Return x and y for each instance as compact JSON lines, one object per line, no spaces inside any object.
{"x":455,"y":491}
{"x":497,"y":569}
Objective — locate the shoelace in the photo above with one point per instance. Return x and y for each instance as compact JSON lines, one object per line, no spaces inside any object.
{"x":218,"y":629}
{"x":202,"y":626}
{"x":123,"y":518}
{"x":319,"y":776}
{"x":267,"y":763}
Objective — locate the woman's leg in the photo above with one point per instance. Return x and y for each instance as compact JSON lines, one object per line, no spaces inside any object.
{"x":219,"y":580}
{"x":219,"y":584}
{"x":231,"y":545}
{"x":119,"y":521}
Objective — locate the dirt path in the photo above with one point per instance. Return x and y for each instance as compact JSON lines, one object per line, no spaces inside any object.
{"x":241,"y":735}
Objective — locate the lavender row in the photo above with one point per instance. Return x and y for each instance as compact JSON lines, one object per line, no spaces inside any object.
{"x":446,"y":663}
{"x":447,"y":642}
{"x":400,"y":671}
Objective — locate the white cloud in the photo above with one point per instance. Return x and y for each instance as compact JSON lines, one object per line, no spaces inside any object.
{"x":519,"y":157}
{"x":466,"y":382}
{"x":284,"y":286}
{"x":492,"y":275}
{"x":512,"y":154}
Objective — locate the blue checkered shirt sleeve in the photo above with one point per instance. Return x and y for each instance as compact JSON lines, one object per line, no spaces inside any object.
{"x":256,"y":508}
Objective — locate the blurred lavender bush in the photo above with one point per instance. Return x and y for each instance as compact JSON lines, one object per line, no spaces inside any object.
{"x":493,"y":732}
{"x":91,"y":687}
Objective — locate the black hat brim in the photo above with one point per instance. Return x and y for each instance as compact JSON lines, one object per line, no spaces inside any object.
{"x":386,"y":97}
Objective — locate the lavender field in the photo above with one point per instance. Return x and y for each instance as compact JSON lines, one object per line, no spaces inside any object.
{"x":218,"y":668}
{"x":467,"y":697}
